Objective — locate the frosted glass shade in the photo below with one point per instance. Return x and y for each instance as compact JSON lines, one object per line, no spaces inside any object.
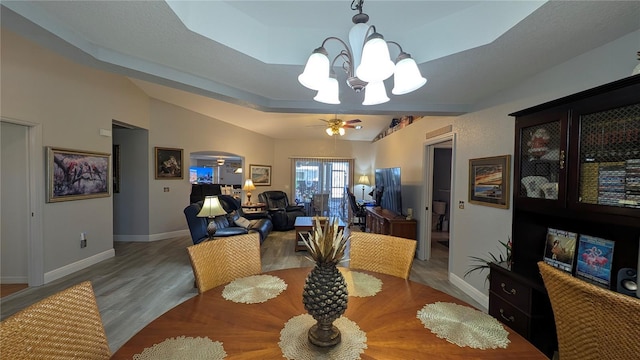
{"x":376,"y":64}
{"x":375,"y":93}
{"x":316,"y":71}
{"x":407,"y":77}
{"x":341,"y":131}
{"x":329,"y":92}
{"x":357,"y":36}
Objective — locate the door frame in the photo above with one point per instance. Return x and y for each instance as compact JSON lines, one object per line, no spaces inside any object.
{"x":430,"y":145}
{"x":36,"y":176}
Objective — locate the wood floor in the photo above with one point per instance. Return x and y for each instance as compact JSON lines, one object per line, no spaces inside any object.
{"x":144,"y":280}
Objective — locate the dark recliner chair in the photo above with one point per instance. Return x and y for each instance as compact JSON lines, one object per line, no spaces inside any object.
{"x":283,"y":215}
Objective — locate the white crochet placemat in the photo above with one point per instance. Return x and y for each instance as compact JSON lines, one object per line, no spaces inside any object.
{"x":361,"y":284}
{"x":179,"y":348}
{"x":254,"y":289}
{"x":294,"y":341}
{"x":463,"y":326}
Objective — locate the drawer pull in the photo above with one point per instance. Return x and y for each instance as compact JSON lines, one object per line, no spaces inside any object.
{"x":507,"y":318}
{"x":510,"y":292}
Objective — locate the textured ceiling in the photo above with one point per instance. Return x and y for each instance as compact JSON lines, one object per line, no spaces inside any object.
{"x":465,"y":58}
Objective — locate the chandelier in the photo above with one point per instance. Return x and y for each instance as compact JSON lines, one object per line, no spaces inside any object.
{"x":367,"y":64}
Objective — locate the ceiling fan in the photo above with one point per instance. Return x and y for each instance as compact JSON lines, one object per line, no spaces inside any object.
{"x":336,"y":126}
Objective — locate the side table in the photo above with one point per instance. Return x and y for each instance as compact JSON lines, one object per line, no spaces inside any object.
{"x":254,"y":207}
{"x":303,"y":225}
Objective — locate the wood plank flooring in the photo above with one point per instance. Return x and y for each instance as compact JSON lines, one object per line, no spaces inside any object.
{"x":144,"y":280}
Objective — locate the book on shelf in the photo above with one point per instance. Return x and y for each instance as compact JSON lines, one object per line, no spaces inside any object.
{"x":595,"y":256}
{"x":560,"y":249}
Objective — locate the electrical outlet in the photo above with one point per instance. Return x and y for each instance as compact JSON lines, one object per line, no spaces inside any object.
{"x":83,"y":240}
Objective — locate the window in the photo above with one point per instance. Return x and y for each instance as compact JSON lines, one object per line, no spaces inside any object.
{"x":320,"y":183}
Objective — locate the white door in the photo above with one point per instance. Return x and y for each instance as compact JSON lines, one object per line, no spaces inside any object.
{"x":14,"y":196}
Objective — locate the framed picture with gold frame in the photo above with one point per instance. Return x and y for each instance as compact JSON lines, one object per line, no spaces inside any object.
{"x":260,"y":174}
{"x":489,"y":181}
{"x":77,"y":175}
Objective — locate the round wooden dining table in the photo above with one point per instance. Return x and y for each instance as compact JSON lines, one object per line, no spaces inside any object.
{"x":252,"y":331}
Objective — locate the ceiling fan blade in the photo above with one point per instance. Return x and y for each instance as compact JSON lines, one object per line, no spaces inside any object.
{"x":354,"y":121}
{"x":349,"y":126}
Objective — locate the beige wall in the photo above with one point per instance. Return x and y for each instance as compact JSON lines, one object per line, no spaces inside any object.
{"x":70,"y":103}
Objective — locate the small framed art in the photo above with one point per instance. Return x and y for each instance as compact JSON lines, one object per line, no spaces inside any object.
{"x":168,"y":164}
{"x":489,"y":181}
{"x":260,"y":174}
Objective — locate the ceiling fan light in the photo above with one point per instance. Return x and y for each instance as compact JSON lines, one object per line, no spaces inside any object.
{"x":329,"y":131}
{"x":375,"y":93}
{"x":329,"y":92}
{"x":407,"y":77}
{"x":376,"y":64}
{"x":341,"y":131}
{"x":316,"y":71}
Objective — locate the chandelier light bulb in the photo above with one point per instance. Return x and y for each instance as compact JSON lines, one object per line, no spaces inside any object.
{"x":329,"y":92}
{"x":376,"y":63}
{"x":407,"y":77}
{"x":316,"y":71}
{"x":375,"y":93}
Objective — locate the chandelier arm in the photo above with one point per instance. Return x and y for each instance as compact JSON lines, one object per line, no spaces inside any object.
{"x":344,"y":53}
{"x":402,"y":55}
{"x":357,"y":6}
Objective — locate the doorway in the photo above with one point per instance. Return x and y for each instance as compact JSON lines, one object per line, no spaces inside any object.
{"x":439,"y":156}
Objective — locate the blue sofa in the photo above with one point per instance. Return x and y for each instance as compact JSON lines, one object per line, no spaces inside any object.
{"x":227,"y":224}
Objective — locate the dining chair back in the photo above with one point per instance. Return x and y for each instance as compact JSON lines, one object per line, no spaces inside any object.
{"x":385,"y":254}
{"x":66,"y":325}
{"x":219,"y":261}
{"x":591,"y":322}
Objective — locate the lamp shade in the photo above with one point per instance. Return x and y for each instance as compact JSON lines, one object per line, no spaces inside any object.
{"x":407,"y":77}
{"x":375,"y":93}
{"x":211,"y":207}
{"x":316,"y":71}
{"x":329,"y":92}
{"x":376,"y":64}
{"x":341,"y":131}
{"x":248,"y":185}
{"x":364,"y":180}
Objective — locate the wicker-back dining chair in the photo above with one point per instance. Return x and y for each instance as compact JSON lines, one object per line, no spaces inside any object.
{"x":591,"y":322}
{"x":385,"y":254}
{"x":66,"y":325}
{"x":219,"y":261}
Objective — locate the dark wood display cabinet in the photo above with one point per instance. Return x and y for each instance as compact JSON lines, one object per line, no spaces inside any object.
{"x":383,"y":221}
{"x":576,"y":170}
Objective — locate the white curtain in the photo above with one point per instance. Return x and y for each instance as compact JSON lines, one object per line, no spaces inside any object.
{"x":319,"y":184}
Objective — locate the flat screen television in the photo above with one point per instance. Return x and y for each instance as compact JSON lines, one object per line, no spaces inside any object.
{"x":388,"y":192}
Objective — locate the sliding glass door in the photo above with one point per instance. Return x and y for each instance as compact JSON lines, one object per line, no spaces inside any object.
{"x":320,"y":184}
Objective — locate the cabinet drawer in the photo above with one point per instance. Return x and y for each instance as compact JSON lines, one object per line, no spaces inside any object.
{"x":509,"y":315}
{"x":517,"y":294}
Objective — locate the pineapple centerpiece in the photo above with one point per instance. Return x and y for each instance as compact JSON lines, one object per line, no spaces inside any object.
{"x":325,"y":290}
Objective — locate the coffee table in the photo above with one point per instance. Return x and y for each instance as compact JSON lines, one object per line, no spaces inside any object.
{"x":304,"y":224}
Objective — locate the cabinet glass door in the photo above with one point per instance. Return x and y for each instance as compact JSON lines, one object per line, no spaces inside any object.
{"x":610,"y":157}
{"x":541,"y":160}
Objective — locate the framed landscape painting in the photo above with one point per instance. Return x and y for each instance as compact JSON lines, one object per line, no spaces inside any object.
{"x":260,"y":175}
{"x":168,"y":163}
{"x":489,"y":181}
{"x":76,"y":175}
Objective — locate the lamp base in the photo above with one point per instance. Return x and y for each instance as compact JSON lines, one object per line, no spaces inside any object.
{"x":211,"y":228}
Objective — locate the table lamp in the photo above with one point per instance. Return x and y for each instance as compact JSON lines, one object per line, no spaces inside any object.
{"x":210,"y":209}
{"x":248,"y":186}
{"x":364,"y":180}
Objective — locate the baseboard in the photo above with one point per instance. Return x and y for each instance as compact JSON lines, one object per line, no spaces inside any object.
{"x":77,"y":266}
{"x":14,"y":279}
{"x":151,"y":237}
{"x":474,"y":293}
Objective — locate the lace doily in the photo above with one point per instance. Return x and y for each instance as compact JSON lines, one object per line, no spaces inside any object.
{"x":361,"y":284}
{"x":463,"y":326}
{"x":254,"y":289}
{"x":294,"y":342}
{"x":184,"y":348}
